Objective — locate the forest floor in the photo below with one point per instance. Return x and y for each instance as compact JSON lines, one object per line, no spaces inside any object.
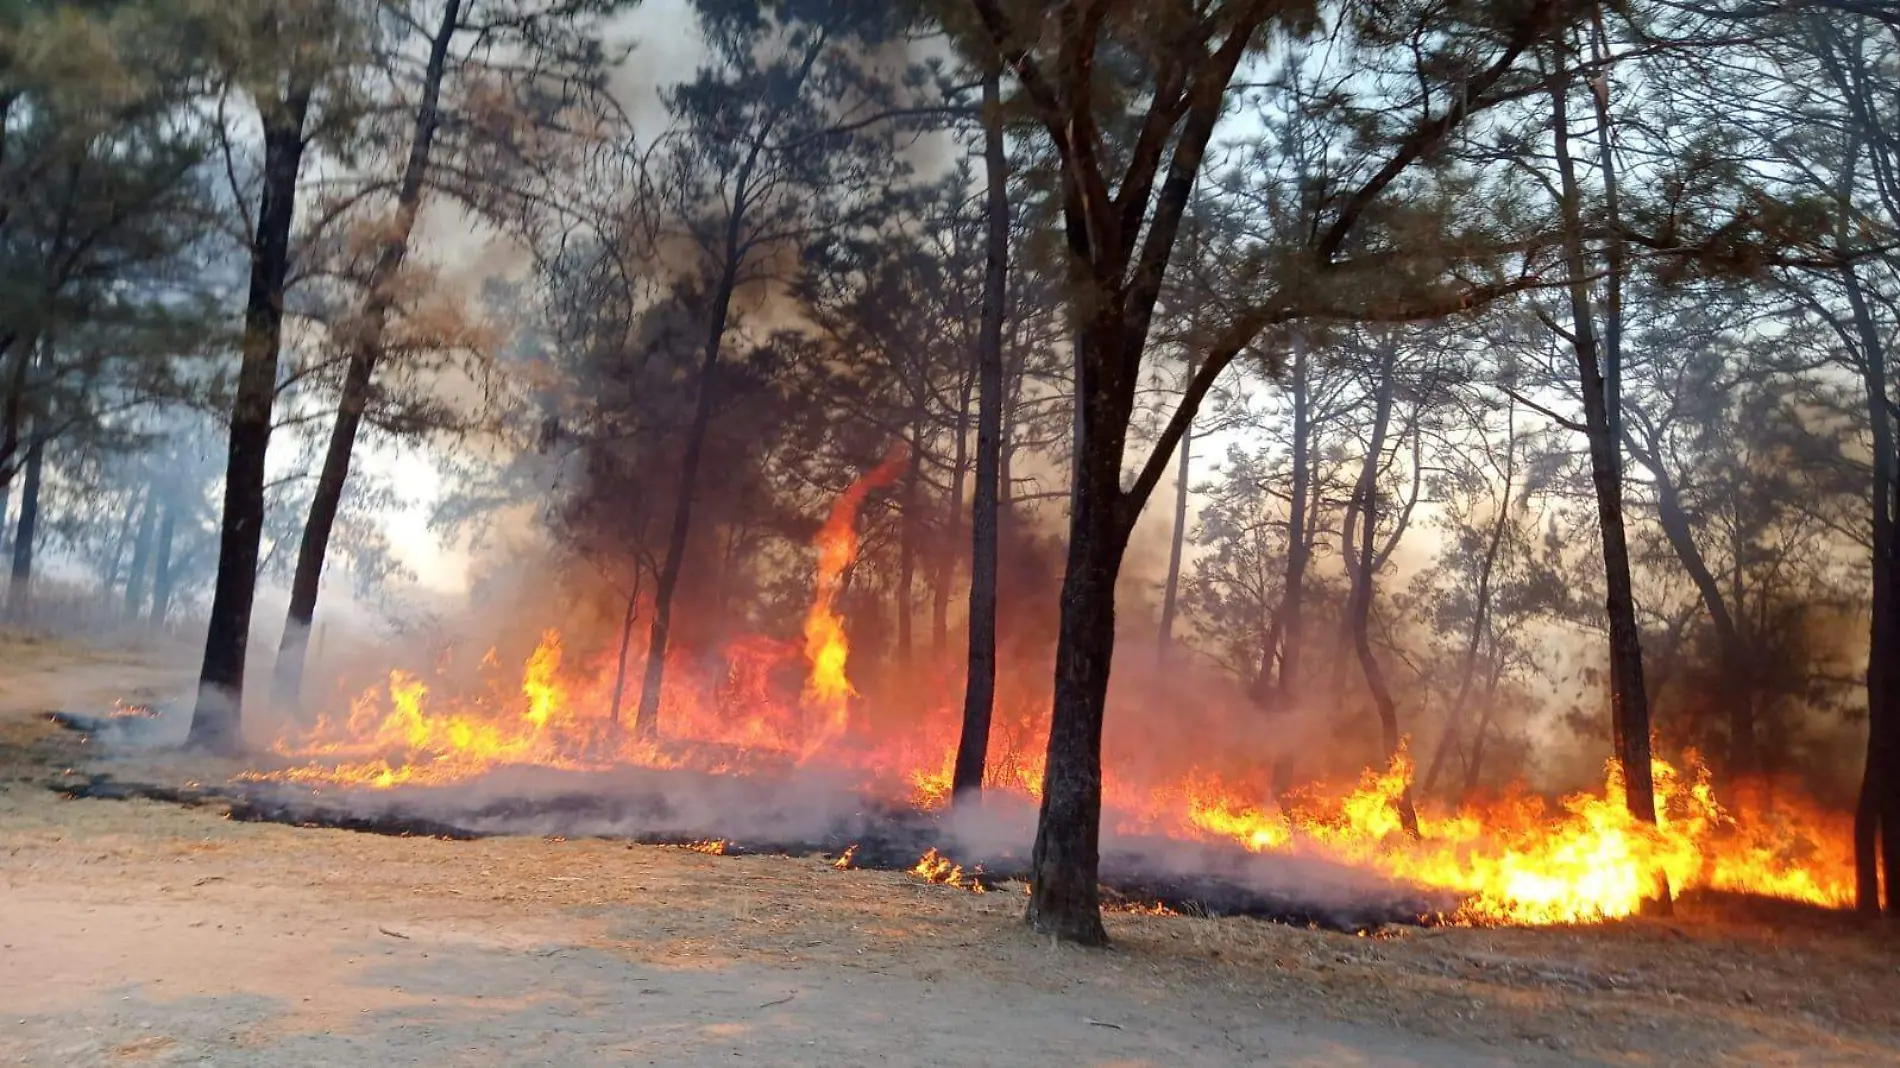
{"x":135,"y":932}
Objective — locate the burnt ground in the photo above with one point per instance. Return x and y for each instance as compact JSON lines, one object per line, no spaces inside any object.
{"x":142,"y":931}
{"x":789,"y":811}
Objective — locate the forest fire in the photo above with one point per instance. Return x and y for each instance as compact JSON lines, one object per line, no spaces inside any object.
{"x":1515,"y":859}
{"x":717,"y":487}
{"x":828,"y":690}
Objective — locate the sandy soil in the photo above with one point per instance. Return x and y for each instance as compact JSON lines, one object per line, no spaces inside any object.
{"x":139,"y":933}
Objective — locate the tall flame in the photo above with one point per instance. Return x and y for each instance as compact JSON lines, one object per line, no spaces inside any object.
{"x":828,"y":690}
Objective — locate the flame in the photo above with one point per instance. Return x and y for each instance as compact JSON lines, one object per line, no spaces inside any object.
{"x":1513,"y":859}
{"x":539,"y":683}
{"x":934,"y":867}
{"x":1518,"y":861}
{"x":828,"y":690}
{"x":1516,"y":858}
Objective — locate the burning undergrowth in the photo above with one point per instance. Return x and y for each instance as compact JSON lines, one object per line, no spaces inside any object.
{"x":544,"y":756}
{"x":543,"y":752}
{"x":769,"y":747}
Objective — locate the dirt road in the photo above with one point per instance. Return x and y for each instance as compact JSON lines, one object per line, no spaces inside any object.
{"x":133,"y":932}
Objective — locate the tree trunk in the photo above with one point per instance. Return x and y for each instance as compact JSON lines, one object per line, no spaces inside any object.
{"x":1732,"y":688}
{"x":1342,"y":639}
{"x":1289,"y":620}
{"x":117,"y":557}
{"x":646,"y":721}
{"x":20,"y":588}
{"x":216,"y":722}
{"x":1178,"y":542}
{"x":1877,"y":815}
{"x":979,"y":688}
{"x":1065,"y":899}
{"x":953,"y":520}
{"x":1360,"y":610}
{"x":366,"y":349}
{"x":1015,"y":370}
{"x":162,"y":567}
{"x":1299,"y":542}
{"x":626,"y":642}
{"x":19,"y":355}
{"x":1117,"y":275}
{"x":907,"y":549}
{"x":141,"y":557}
{"x":1629,"y":701}
{"x":1475,"y":768}
{"x":1480,"y":615}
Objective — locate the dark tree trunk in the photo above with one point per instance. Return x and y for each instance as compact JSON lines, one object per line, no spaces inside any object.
{"x":365,"y":350}
{"x":19,"y":354}
{"x":141,"y":557}
{"x":646,"y":721}
{"x":20,"y":588}
{"x":908,"y":504}
{"x":1474,"y":769}
{"x":1360,"y":610}
{"x":1732,"y":688}
{"x":626,"y":642}
{"x":1178,"y":542}
{"x":1629,"y":700}
{"x":1342,"y":639}
{"x":162,"y":567}
{"x":733,"y":251}
{"x":1480,"y":616}
{"x":1877,"y":815}
{"x":1065,"y":899}
{"x":216,"y":722}
{"x":1299,"y":541}
{"x":979,"y":688}
{"x":946,"y":577}
{"x":1014,"y":372}
{"x":1118,"y":254}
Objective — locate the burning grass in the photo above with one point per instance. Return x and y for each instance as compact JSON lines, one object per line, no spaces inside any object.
{"x":1725,"y":982}
{"x":1517,"y":858}
{"x":1511,"y":859}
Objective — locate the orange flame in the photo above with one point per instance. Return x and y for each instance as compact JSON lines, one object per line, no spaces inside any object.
{"x":1514,"y":859}
{"x":828,"y":690}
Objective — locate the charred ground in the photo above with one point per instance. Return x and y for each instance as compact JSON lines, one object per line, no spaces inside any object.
{"x":786,"y":815}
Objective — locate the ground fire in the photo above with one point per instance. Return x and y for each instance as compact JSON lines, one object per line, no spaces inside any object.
{"x":831,"y":533}
{"x":1518,"y":858}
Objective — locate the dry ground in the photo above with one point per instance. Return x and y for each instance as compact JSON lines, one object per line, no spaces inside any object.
{"x":141,"y":933}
